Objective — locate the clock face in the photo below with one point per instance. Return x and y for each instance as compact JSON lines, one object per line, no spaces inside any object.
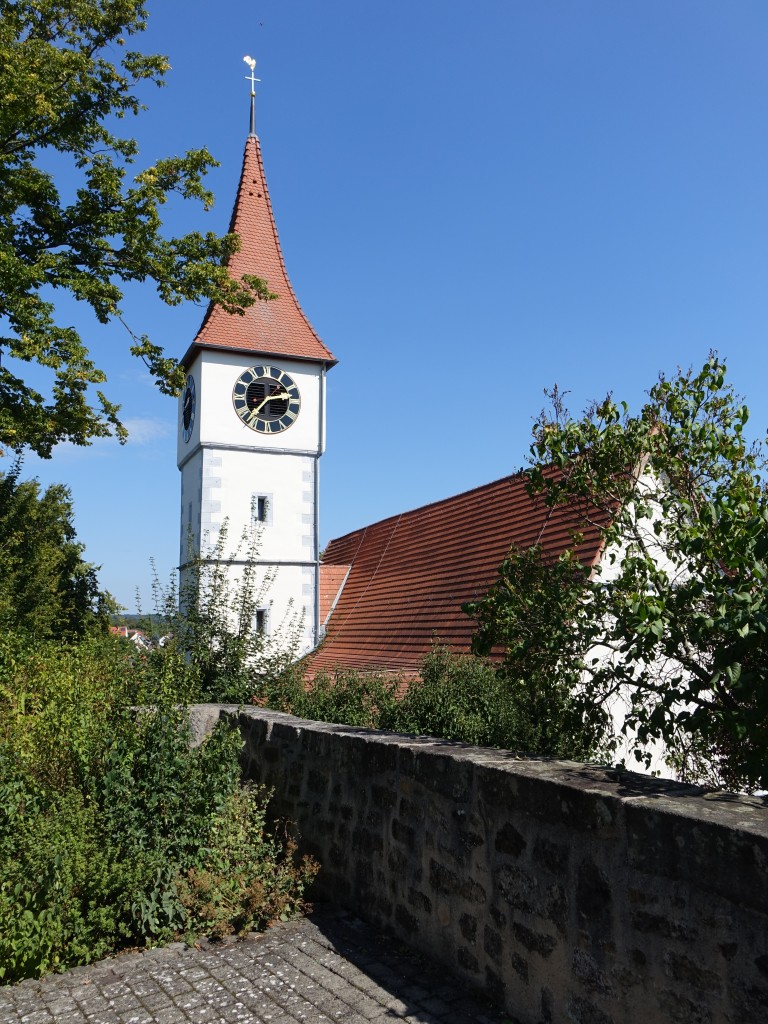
{"x":266,"y":399}
{"x":188,"y":404}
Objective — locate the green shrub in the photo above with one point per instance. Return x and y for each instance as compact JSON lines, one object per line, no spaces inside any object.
{"x":245,"y":877}
{"x":346,"y":696}
{"x":455,"y":697}
{"x":213,"y":649}
{"x":114,"y":830}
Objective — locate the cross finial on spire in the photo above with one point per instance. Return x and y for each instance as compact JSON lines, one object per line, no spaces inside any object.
{"x":251,"y":62}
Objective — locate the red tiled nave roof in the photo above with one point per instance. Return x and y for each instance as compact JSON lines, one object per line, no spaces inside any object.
{"x":278,"y":327}
{"x":410,"y":574}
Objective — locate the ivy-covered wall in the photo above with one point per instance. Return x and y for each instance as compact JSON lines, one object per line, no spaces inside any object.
{"x":569,"y":893}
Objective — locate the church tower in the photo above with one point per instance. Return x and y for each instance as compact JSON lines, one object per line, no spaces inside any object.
{"x":252,"y":421}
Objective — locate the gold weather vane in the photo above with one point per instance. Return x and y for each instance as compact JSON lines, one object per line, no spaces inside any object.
{"x":251,"y":62}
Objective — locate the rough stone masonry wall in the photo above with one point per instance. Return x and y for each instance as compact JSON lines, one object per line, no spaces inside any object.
{"x":568,"y":893}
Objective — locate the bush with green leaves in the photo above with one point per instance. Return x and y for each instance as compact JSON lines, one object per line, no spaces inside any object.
{"x":352,"y":698}
{"x":455,"y":697}
{"x":463,"y":697}
{"x":246,"y":877}
{"x":114,"y":830}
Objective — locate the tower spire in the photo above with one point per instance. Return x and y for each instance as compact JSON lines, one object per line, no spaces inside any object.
{"x":251,"y":62}
{"x":278,"y":327}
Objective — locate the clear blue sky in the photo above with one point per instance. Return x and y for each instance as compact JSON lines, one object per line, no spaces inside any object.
{"x":475,"y":201}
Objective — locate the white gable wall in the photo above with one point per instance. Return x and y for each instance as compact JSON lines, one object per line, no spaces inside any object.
{"x":607,"y":570}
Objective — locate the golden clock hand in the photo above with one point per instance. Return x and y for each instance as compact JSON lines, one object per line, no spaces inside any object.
{"x":255,"y":411}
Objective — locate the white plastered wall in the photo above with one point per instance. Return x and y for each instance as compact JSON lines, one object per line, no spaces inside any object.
{"x":608,"y":570}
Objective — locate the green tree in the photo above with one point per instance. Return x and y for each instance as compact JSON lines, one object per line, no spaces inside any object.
{"x":46,"y":588}
{"x":67,"y":83}
{"x":674,"y":617}
{"x":536,"y":617}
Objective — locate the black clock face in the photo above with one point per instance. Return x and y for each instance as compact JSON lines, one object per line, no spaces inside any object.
{"x":188,"y":404}
{"x":266,"y":399}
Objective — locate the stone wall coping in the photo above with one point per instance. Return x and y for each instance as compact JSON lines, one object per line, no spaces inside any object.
{"x":733,"y":811}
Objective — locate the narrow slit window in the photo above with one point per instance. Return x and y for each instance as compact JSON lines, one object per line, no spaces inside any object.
{"x":261,"y":620}
{"x":261,"y":505}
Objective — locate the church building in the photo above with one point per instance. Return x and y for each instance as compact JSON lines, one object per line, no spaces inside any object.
{"x":251,"y":433}
{"x":250,"y":436}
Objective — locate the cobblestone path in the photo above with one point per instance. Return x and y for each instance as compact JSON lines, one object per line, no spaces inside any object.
{"x":327,"y":968}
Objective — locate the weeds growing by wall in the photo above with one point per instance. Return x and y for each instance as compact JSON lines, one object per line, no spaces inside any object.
{"x":114,"y":831}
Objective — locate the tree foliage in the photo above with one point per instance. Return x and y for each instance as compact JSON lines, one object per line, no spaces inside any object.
{"x":674,"y":618}
{"x":47,"y":590}
{"x":536,"y":618}
{"x":68,"y":82}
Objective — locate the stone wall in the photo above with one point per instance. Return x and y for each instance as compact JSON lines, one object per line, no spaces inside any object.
{"x":568,"y":893}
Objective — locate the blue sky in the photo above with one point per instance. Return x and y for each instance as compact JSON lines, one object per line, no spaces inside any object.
{"x":475,"y":201}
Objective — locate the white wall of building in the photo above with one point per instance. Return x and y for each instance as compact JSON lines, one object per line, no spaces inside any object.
{"x":226,"y":467}
{"x":608,"y":570}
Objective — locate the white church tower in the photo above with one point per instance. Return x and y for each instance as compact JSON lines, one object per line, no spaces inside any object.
{"x":252,"y":421}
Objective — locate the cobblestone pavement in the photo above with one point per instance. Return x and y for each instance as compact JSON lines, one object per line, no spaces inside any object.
{"x":327,"y":968}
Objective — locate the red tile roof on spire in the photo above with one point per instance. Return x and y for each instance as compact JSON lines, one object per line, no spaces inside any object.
{"x":410,"y":574}
{"x":278,"y":327}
